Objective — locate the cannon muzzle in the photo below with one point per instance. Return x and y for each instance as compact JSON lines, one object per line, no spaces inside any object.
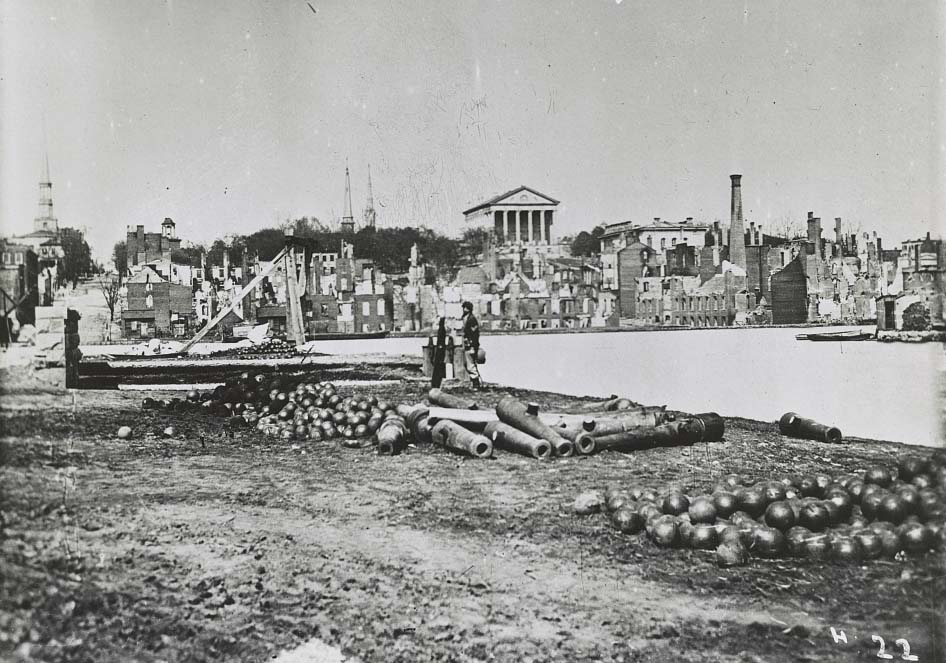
{"x":508,"y":438}
{"x":392,"y":436}
{"x":515,"y":413}
{"x":582,"y":437}
{"x":452,"y":435}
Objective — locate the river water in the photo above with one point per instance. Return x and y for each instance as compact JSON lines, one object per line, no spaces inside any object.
{"x":887,"y":391}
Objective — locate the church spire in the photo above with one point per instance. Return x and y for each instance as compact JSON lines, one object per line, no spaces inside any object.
{"x":348,"y":221}
{"x":46,"y":220}
{"x":369,"y":208}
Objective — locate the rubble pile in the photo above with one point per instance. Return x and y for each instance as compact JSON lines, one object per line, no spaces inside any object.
{"x":881,"y":512}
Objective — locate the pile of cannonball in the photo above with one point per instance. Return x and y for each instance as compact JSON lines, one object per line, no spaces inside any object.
{"x":273,"y":347}
{"x":291,"y":408}
{"x":890,"y":512}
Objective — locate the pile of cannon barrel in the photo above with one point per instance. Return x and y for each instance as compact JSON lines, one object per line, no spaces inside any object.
{"x":616,"y":425}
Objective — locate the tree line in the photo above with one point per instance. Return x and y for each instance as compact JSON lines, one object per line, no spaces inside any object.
{"x":388,"y":248}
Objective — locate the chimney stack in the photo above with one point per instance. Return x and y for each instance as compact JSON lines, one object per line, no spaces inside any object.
{"x":814,"y":233}
{"x":737,"y":233}
{"x":837,"y":232}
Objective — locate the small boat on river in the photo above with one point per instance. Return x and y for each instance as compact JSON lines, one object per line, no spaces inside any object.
{"x":850,"y":335}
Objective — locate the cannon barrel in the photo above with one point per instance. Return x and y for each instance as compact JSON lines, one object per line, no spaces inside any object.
{"x":452,"y":435}
{"x":508,"y":438}
{"x":670,"y":434}
{"x":392,"y":436}
{"x":511,"y":411}
{"x":473,"y":419}
{"x":415,"y":416}
{"x":714,"y":426}
{"x":794,"y":426}
{"x":440,"y":397}
{"x":647,"y":417}
{"x":618,"y":404}
{"x":642,"y":415}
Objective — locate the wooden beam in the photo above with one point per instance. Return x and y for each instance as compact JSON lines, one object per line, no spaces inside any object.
{"x":16,"y":302}
{"x":293,"y":302}
{"x":288,"y":362}
{"x":247,"y":289}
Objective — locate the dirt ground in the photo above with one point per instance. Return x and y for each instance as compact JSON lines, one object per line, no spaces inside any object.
{"x":222,"y":544}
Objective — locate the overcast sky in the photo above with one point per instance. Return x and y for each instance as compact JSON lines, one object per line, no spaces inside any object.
{"x":230,"y":116}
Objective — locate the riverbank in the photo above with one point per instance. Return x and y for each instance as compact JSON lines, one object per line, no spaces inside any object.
{"x":621,"y":329}
{"x":220,"y":543}
{"x":890,"y":336}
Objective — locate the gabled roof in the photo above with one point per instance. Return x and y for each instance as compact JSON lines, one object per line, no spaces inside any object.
{"x":146,"y":275}
{"x":498,"y":199}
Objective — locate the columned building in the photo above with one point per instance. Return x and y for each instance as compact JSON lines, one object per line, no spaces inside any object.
{"x":522,"y":216}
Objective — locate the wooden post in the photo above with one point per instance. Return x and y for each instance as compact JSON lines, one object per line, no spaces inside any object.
{"x":72,"y":353}
{"x":459,"y":362}
{"x":428,"y":351}
{"x":293,"y":304}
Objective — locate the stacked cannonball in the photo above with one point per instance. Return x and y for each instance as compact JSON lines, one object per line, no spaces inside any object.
{"x":316,"y":412}
{"x":289,"y":408}
{"x":271,"y":348}
{"x":880,"y":512}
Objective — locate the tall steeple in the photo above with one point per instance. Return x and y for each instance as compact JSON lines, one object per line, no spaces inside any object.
{"x":46,"y":220}
{"x":369,"y":207}
{"x":348,"y":221}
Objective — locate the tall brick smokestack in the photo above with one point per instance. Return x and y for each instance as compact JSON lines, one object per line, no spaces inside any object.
{"x":737,"y":231}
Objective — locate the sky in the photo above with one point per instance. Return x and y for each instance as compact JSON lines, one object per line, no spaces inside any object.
{"x":232,"y":116}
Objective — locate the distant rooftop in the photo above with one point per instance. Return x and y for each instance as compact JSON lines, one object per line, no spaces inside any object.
{"x":656,"y":225}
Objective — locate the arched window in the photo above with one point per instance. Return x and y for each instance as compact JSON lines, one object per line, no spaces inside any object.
{"x":149,"y":301}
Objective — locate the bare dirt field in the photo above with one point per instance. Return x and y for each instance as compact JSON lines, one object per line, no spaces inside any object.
{"x":221,"y":544}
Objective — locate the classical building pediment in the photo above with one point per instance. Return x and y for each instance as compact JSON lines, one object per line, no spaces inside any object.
{"x":522,"y":195}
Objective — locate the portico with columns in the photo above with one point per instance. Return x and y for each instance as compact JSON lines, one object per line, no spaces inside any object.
{"x":522,"y":216}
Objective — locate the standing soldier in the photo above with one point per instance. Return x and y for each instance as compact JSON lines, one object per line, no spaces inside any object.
{"x":440,"y":355}
{"x":471,"y":343}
